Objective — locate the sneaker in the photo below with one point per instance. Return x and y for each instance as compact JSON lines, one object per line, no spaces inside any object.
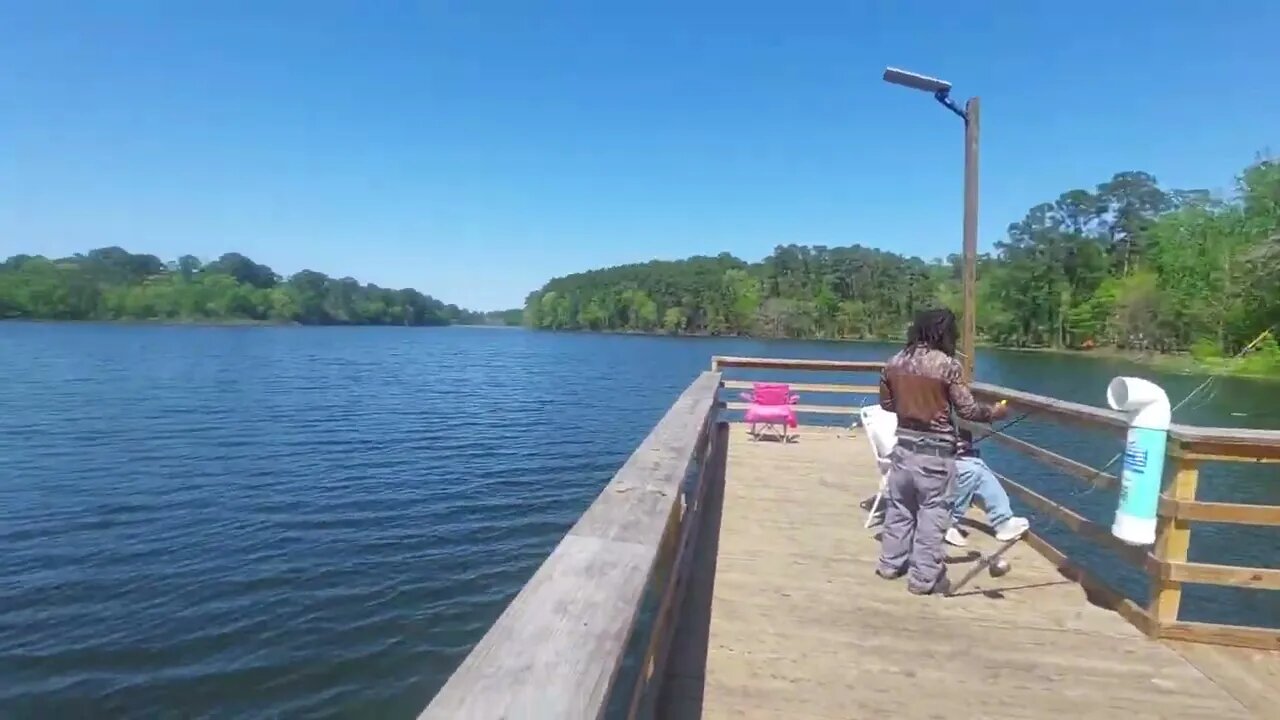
{"x":1012,"y":529}
{"x":955,"y":537}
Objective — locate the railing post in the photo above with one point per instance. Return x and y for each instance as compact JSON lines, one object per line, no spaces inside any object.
{"x":1173,"y":539}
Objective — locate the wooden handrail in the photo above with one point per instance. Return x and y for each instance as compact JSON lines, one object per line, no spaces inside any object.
{"x":719,"y":362}
{"x":811,"y":387}
{"x":1196,"y":435}
{"x":1226,"y":444}
{"x":816,"y":409}
{"x":556,"y":649}
{"x":1071,"y":412}
{"x":1243,"y":443}
{"x":711,"y":472}
{"x":1220,"y":512}
{"x":1078,"y":470}
{"x":1217,"y":634}
{"x":1259,"y":578}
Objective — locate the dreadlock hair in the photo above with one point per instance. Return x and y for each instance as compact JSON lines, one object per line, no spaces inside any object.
{"x":935,"y":329}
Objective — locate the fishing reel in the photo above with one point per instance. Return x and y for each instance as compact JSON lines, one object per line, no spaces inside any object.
{"x":999,"y":567}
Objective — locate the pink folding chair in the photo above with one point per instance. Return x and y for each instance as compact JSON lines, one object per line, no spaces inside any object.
{"x":772,"y":409}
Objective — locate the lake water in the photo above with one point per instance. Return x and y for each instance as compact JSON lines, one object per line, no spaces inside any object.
{"x":243,"y":522}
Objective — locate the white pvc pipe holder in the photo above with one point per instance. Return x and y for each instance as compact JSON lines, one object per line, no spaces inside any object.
{"x":1149,"y":414}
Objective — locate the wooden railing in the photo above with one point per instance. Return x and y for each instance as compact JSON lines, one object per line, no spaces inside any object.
{"x":1166,"y":561}
{"x":557,"y":649}
{"x":720,"y":361}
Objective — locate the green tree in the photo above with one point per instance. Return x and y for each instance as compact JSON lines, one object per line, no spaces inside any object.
{"x":1128,"y":264}
{"x":673,"y":320}
{"x":113,"y":284}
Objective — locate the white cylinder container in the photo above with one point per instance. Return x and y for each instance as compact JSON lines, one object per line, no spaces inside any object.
{"x":1147,"y":406}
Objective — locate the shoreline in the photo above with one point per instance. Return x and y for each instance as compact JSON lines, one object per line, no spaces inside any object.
{"x":1177,"y":363}
{"x":1182,"y":363}
{"x":208,"y":322}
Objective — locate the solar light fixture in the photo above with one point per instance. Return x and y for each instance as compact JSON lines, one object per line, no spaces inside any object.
{"x":941,"y":89}
{"x":916,"y":81}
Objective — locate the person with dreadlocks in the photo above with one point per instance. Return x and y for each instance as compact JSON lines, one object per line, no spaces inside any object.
{"x":924,"y":384}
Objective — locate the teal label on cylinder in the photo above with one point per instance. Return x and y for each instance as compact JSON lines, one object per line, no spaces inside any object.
{"x":1143,"y":472}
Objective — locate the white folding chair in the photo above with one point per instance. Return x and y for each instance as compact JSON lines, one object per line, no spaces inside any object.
{"x":882,"y":432}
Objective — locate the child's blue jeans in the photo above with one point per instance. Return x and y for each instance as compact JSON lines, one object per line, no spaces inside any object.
{"x":973,"y":477}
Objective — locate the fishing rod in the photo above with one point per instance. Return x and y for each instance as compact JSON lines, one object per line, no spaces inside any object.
{"x":993,"y":562}
{"x":1208,"y":381}
{"x":1002,"y":428}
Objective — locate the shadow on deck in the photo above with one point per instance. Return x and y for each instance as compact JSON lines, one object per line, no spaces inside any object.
{"x":784,"y":617}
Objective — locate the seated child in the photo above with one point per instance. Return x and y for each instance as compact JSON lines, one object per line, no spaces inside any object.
{"x":974,"y":477}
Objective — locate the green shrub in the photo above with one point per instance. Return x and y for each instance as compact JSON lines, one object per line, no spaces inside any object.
{"x":1205,"y":349}
{"x":1264,"y":359}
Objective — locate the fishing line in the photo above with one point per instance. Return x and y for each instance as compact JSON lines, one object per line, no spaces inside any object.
{"x":1002,"y":428}
{"x":988,"y":560}
{"x":1209,"y":381}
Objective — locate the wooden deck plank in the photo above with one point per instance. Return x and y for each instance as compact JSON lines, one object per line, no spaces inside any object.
{"x":1251,"y":676}
{"x":794,"y":622}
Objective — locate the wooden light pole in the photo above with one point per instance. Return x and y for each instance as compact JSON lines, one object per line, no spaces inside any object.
{"x":969,"y":333}
{"x":941,"y":90}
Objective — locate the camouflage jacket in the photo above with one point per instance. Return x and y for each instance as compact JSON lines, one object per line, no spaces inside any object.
{"x":923,"y":386}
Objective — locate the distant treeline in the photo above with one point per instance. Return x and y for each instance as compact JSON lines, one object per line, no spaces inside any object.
{"x":114,"y":284}
{"x":1128,"y":264}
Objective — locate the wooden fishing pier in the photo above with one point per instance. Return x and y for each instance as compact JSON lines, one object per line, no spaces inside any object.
{"x":721,"y":577}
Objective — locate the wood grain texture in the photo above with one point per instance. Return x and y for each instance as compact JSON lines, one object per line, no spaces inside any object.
{"x":1237,"y":453}
{"x":1052,"y":408}
{"x":720,"y":362}
{"x":816,"y":409}
{"x":1247,"y":577}
{"x":1226,"y":443}
{"x":1173,"y":540}
{"x":796,"y":625}
{"x":555,"y":651}
{"x":811,"y":387}
{"x":710,"y":478}
{"x":1097,"y":592}
{"x":687,"y":659}
{"x":1251,"y":676}
{"x":1220,"y":512}
{"x":1227,"y":635}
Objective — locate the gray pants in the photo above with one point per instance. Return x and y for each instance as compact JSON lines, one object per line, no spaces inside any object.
{"x":916,"y":517}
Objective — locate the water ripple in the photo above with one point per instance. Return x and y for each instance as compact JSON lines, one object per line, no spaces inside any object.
{"x":318,"y":522}
{"x":274,"y":521}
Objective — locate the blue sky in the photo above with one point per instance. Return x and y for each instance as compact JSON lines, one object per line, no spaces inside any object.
{"x":475,"y":149}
